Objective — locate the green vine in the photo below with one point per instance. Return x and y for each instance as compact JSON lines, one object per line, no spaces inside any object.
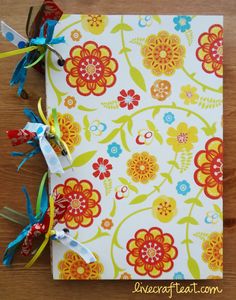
{"x":166,"y":177}
{"x":192,"y":263}
{"x":204,"y":86}
{"x":114,"y":241}
{"x":98,"y":235}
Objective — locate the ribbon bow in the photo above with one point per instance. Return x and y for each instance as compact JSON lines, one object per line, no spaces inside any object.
{"x":37,"y":133}
{"x":40,"y":38}
{"x":42,"y":223}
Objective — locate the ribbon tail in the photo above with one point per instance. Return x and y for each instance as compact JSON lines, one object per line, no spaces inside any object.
{"x":19,"y":74}
{"x":50,"y":156}
{"x":29,"y":207}
{"x":18,"y":40}
{"x":32,"y":116}
{"x":12,"y":247}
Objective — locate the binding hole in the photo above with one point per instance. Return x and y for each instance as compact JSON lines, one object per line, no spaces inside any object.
{"x":24,"y":95}
{"x":61,"y":62}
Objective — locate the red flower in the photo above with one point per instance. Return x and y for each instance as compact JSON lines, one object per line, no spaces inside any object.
{"x":210,"y":51}
{"x":83,"y":201}
{"x":91,"y":69}
{"x":151,"y":252}
{"x":129,"y":99}
{"x":209,"y":174}
{"x":102,"y":168}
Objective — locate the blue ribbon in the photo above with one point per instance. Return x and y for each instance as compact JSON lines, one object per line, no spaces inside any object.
{"x":44,"y":39}
{"x":12,"y":247}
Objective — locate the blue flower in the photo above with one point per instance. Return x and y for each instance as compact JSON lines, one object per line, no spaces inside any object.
{"x":114,"y":150}
{"x":183,"y":187}
{"x":178,"y":275}
{"x":182,"y":23}
{"x":169,"y":118}
{"x":145,"y":21}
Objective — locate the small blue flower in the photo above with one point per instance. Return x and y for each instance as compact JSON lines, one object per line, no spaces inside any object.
{"x":145,"y":21}
{"x":114,"y":150}
{"x":183,"y":187}
{"x":169,"y":118}
{"x":182,"y":23}
{"x":178,"y":276}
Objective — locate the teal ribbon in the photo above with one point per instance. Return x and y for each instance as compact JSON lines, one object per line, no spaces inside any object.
{"x":33,"y":219}
{"x":45,"y":38}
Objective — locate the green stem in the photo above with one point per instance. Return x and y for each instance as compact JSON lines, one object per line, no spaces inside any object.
{"x":204,"y":86}
{"x":172,"y":107}
{"x":187,"y":225}
{"x":123,"y":43}
{"x":114,"y":239}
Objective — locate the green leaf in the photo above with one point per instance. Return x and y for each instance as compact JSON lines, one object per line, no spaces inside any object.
{"x":111,"y":104}
{"x":107,"y":183}
{"x":138,"y":78}
{"x":122,"y":119}
{"x":133,"y":188}
{"x":121,"y":26}
{"x":158,"y":137}
{"x":210,"y":130}
{"x":110,"y":136}
{"x":123,"y":140}
{"x":188,"y":219}
{"x":193,"y":268}
{"x":157,"y":19}
{"x":196,"y":201}
{"x":157,"y":188}
{"x":124,"y":50}
{"x":86,"y":121}
{"x":167,"y":176}
{"x":82,"y":159}
{"x":113,"y":211}
{"x":130,"y":126}
{"x":84,"y":108}
{"x":151,"y":125}
{"x":173,"y":163}
{"x":123,"y":180}
{"x":87,"y":135}
{"x":218,"y":210}
{"x":155,"y":111}
{"x":139,"y":199}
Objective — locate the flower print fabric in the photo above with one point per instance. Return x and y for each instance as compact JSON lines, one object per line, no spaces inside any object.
{"x":139,"y":102}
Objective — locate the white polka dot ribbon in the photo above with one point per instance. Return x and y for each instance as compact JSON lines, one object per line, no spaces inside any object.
{"x":48,"y":152}
{"x":13,"y":36}
{"x":74,"y":245}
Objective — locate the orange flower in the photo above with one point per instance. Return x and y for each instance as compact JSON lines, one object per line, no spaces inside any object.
{"x":213,"y":251}
{"x":76,"y":35}
{"x":209,"y":174}
{"x":84,"y":202}
{"x":70,"y":102}
{"x":161,"y":89}
{"x":214,"y":277}
{"x":91,"y":69}
{"x":142,"y":167}
{"x":107,"y":224}
{"x":70,"y":131}
{"x":125,"y":276}
{"x":163,"y":53}
{"x":74,"y":267}
{"x":210,"y":51}
{"x":151,"y":252}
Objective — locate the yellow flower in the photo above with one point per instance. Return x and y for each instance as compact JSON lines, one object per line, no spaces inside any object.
{"x":163,"y":53}
{"x":74,"y":267}
{"x":164,"y":208}
{"x":183,"y":137}
{"x":70,"y":131}
{"x":142,"y":167}
{"x":70,"y":102}
{"x":188,"y":94}
{"x":213,"y":251}
{"x":75,"y":35}
{"x":94,"y":24}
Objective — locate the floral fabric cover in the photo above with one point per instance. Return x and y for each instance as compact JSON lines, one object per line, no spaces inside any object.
{"x":139,"y":104}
